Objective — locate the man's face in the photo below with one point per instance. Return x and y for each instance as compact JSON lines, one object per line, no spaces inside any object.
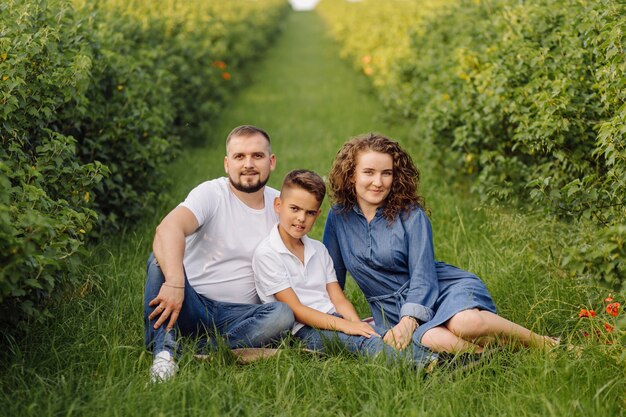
{"x":248,"y":162}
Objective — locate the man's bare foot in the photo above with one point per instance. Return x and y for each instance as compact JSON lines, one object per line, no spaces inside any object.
{"x":248,"y":355}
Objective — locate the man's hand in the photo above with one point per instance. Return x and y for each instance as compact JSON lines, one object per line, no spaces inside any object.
{"x":400,"y":335}
{"x":169,"y":250}
{"x":359,"y":328}
{"x":168,"y":304}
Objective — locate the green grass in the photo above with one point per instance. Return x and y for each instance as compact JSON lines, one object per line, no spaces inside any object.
{"x":89,"y":360}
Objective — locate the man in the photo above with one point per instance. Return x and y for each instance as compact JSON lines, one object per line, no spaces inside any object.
{"x":200,"y":279}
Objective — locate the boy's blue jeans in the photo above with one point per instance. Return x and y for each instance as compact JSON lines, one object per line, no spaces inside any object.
{"x":240,"y":325}
{"x":316,"y":339}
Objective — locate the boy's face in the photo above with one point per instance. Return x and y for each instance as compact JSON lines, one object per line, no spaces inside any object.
{"x":297,"y":211}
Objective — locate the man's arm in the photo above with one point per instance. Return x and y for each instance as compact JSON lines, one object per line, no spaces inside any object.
{"x":169,"y":249}
{"x":169,"y":243}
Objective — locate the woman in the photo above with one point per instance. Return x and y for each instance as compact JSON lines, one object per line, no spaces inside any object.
{"x":378,"y":231}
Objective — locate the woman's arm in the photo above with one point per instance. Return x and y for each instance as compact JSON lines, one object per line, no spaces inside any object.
{"x":400,"y":335}
{"x":319,"y":320}
{"x":424,"y":285}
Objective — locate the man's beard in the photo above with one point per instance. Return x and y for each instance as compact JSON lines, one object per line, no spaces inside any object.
{"x":250,"y":188}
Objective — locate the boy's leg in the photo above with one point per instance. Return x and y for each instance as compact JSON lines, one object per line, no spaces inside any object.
{"x":416,"y":353}
{"x":252,"y":325}
{"x":315,"y":339}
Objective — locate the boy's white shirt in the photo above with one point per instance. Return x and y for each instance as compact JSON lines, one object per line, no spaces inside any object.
{"x":276,"y":269}
{"x":218,"y":256}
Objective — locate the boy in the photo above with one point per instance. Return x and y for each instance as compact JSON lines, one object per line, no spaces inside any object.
{"x":291,"y":268}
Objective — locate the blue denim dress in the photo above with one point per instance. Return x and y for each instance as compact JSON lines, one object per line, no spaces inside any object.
{"x":394,"y":265}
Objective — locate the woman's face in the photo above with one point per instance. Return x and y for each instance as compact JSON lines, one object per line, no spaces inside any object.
{"x":373,"y":176}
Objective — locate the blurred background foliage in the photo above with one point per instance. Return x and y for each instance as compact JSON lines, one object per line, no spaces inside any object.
{"x":95,"y":100}
{"x":525,"y":99}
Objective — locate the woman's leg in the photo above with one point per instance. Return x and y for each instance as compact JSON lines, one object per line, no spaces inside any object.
{"x":474,"y":325}
{"x":440,"y":339}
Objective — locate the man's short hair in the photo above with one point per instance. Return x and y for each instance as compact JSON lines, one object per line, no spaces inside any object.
{"x":246,"y":130}
{"x":307,"y":180}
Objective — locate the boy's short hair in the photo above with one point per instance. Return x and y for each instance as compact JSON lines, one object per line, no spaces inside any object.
{"x":307,"y":180}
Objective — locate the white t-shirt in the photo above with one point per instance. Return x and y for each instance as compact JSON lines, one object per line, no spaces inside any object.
{"x":218,"y":255}
{"x":276,"y":269}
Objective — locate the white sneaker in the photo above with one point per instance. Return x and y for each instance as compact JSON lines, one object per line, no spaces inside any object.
{"x":163,"y":368}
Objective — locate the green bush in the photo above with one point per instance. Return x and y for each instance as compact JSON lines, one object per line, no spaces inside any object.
{"x":527,"y":113}
{"x":526,"y":98}
{"x":600,"y":255}
{"x":44,"y":218}
{"x":538,"y":112}
{"x":94,"y":100}
{"x":128,"y":125}
{"x":46,"y":192}
{"x":160,"y":76}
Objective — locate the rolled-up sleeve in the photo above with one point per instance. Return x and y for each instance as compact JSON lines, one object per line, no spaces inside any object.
{"x":331,"y":242}
{"x":423,"y":287}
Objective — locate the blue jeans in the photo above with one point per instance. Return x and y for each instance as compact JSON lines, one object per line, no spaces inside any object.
{"x":315,"y":339}
{"x":240,"y":325}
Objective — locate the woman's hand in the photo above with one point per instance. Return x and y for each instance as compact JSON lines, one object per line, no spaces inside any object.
{"x":400,"y":335}
{"x":358,"y":328}
{"x":168,"y":303}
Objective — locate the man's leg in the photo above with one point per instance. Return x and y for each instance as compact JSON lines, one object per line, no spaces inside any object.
{"x":252,"y":325}
{"x":195,"y":318}
{"x":157,"y":340}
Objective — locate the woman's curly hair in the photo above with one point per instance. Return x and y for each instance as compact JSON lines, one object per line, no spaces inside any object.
{"x":403,"y":196}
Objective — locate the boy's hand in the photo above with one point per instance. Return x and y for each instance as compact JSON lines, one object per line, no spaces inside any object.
{"x":400,"y":335}
{"x":360,"y":329}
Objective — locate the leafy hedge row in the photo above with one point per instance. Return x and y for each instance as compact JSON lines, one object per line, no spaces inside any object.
{"x":527,"y":97}
{"x":94,"y":100}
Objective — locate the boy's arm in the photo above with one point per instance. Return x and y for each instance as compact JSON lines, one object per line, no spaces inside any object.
{"x":319,"y":320}
{"x":341,"y":302}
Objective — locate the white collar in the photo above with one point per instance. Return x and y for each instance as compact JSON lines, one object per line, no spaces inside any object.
{"x":276,"y":243}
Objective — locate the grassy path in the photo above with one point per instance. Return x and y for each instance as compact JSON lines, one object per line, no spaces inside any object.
{"x":89,"y":359}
